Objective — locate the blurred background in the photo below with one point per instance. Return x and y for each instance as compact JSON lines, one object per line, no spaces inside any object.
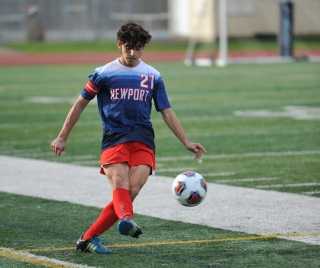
{"x":98,"y":19}
{"x":190,"y":25}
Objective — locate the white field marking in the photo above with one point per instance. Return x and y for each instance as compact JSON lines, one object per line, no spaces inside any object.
{"x":295,"y":112}
{"x":49,"y":99}
{"x":199,"y":134}
{"x":26,"y":257}
{"x":217,"y":174}
{"x":155,"y":120}
{"x":239,"y":155}
{"x":53,"y":100}
{"x":211,"y":174}
{"x":198,"y":118}
{"x":247,"y":180}
{"x":226,"y":207}
{"x":311,"y":192}
{"x":23,"y":153}
{"x":178,"y":158}
{"x":81,"y":157}
{"x":177,"y":169}
{"x":290,"y":185}
{"x":85,"y":163}
{"x":12,"y":125}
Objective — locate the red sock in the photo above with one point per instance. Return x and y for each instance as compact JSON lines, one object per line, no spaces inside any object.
{"x":122,"y":203}
{"x":105,"y":220}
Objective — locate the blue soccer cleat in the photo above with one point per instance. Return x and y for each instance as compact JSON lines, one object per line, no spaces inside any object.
{"x":92,"y":245}
{"x":129,"y":227}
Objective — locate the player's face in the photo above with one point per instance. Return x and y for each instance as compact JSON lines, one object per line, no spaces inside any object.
{"x":129,"y":56}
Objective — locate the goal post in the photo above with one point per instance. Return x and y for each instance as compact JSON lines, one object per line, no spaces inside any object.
{"x":284,"y":32}
{"x":222,"y":59}
{"x":284,"y":29}
{"x":205,"y":22}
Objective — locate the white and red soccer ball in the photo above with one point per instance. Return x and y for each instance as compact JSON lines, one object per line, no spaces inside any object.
{"x":189,"y":188}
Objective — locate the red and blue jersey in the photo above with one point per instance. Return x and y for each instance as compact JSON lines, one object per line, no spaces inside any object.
{"x":124,"y":97}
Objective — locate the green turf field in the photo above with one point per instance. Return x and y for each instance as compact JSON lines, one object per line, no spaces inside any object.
{"x":35,"y":225}
{"x":278,"y":150}
{"x":259,"y":123}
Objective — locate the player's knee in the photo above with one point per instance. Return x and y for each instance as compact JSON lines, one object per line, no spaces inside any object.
{"x":134,"y":191}
{"x":120,"y":182}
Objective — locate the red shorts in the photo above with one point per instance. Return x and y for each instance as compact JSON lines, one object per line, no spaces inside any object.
{"x":132,"y":153}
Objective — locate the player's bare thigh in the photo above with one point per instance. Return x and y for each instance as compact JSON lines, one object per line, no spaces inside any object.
{"x":118,"y":174}
{"x":133,"y":178}
{"x":138,"y":176}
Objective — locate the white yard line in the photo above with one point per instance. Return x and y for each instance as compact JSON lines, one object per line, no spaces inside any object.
{"x":181,"y":169}
{"x":26,"y":257}
{"x":295,"y":112}
{"x":227,"y":207}
{"x":240,"y":155}
{"x":247,"y":180}
{"x":289,"y":185}
{"x":217,"y":174}
{"x":176,"y":169}
{"x":85,"y":162}
{"x":311,"y":192}
{"x":199,"y":118}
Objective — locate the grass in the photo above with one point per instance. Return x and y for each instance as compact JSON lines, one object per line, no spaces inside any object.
{"x":235,"y":45}
{"x":33,"y":224}
{"x":205,"y":100}
{"x":89,"y":46}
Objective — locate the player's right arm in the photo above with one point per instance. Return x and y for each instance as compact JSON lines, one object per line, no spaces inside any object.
{"x":58,"y":144}
{"x":89,"y":91}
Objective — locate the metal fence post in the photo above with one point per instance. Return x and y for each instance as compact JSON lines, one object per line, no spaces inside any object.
{"x":286,"y":35}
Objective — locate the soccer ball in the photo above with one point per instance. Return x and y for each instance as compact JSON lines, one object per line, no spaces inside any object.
{"x":189,"y":188}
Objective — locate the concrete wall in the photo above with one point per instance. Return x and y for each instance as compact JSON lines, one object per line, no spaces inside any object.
{"x":251,"y":17}
{"x":79,"y":19}
{"x":94,"y":19}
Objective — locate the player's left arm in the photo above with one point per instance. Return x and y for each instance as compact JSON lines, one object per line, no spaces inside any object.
{"x":174,"y":124}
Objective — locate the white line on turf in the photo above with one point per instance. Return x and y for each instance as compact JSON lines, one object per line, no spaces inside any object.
{"x":247,"y":133}
{"x":217,"y":174}
{"x":26,"y":257}
{"x":177,"y":169}
{"x":181,"y":169}
{"x":86,"y":163}
{"x":240,"y":155}
{"x":289,"y":185}
{"x":199,"y":118}
{"x":226,"y":207}
{"x":311,"y":192}
{"x":247,"y":180}
{"x":295,"y":112}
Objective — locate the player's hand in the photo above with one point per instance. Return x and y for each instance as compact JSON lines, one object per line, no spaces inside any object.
{"x":58,"y":146}
{"x":197,"y":148}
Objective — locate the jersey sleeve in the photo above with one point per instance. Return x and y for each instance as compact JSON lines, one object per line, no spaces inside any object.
{"x":92,"y":87}
{"x":160,"y":96}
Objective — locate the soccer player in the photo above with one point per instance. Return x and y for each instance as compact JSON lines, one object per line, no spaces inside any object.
{"x":125,"y":89}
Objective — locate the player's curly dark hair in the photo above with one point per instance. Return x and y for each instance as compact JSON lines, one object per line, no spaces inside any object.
{"x":133,"y":35}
